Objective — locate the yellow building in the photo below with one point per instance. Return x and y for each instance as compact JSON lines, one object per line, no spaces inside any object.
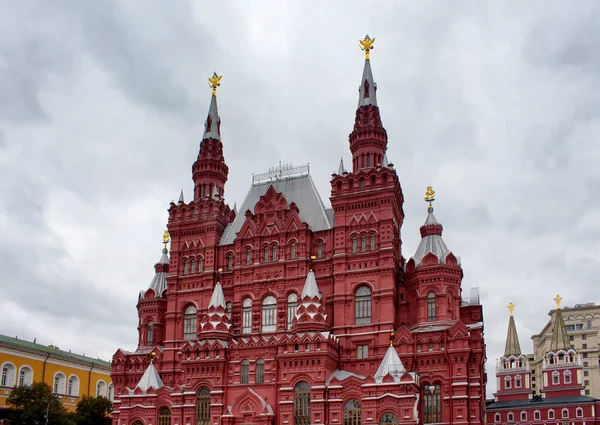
{"x":71,"y":376}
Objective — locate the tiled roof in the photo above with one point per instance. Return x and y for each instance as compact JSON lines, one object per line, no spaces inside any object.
{"x":512,"y":347}
{"x":557,"y":401}
{"x":32,"y":347}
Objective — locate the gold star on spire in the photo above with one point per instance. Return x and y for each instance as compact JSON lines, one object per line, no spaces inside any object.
{"x":511,"y":308}
{"x":392,"y":338}
{"x":366,"y":45}
{"x":557,"y":299}
{"x":215,"y":82}
{"x":166,"y":238}
{"x":430,"y":195}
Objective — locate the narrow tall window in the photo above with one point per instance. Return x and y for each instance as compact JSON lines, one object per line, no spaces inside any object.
{"x":249,"y":256}
{"x":565,"y":413}
{"x":189,"y":323}
{"x":497,"y":417}
{"x":363,"y":243}
{"x":25,"y":376}
{"x":293,"y":250}
{"x":518,"y":381}
{"x":579,"y":412}
{"x":73,"y":386}
{"x":192,"y":266}
{"x":269,"y":314}
{"x":230,"y":262}
{"x":362,"y":306}
{"x":111,"y":392}
{"x":510,"y":417}
{"x":228,"y":309}
{"x":274,"y":255}
{"x":203,"y":406}
{"x":200,"y":265}
{"x":372,"y":245}
{"x":555,"y":378}
{"x":266,"y":253}
{"x":550,"y":414}
{"x":431,"y":313}
{"x":185,"y":267}
{"x":432,"y":412}
{"x":292,"y":306}
{"x":150,"y":334}
{"x":8,"y":375}
{"x":247,"y":316}
{"x":507,"y":383}
{"x":536,"y":415}
{"x":320,"y":250}
{"x":523,"y":416}
{"x":260,"y":371}
{"x":388,"y":419}
{"x":302,"y":403}
{"x":245,"y":372}
{"x":59,"y":383}
{"x":354,"y":244}
{"x":164,"y":416}
{"x":567,"y":376}
{"x":352,"y":412}
{"x":101,"y":389}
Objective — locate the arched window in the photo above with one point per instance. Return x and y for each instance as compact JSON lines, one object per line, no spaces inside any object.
{"x":354,"y":244}
{"x":274,"y":253}
{"x":192,"y":266}
{"x":302,"y":403}
{"x":518,"y":381}
{"x":73,"y":386}
{"x":260,"y":371}
{"x":579,"y":412}
{"x":362,"y":306}
{"x":497,"y":417}
{"x":200,"y":265}
{"x":150,"y":334}
{"x":555,"y":378}
{"x":59,"y":383}
{"x":293,"y":250}
{"x":292,"y":306}
{"x":523,"y":415}
{"x":363,"y":243}
{"x":510,"y":417}
{"x":185,"y":267}
{"x":431,"y":313}
{"x":567,"y":376}
{"x":551,"y":414}
{"x":138,"y":423}
{"x":228,"y":309}
{"x":25,"y":376}
{"x":164,"y":416}
{"x":249,"y":256}
{"x":203,"y":406}
{"x":9,"y":373}
{"x":247,"y":316}
{"x":433,"y":403}
{"x":507,"y":383}
{"x":111,"y":392}
{"x":245,"y":372}
{"x":565,"y":413}
{"x":536,"y":415}
{"x":266,"y":254}
{"x":320,"y":250}
{"x":230,"y":262}
{"x":101,"y":389}
{"x":189,"y":323}
{"x":372,"y":247}
{"x":388,"y":419}
{"x":269,"y":314}
{"x":352,"y":413}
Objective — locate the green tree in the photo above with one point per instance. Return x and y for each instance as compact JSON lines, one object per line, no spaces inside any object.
{"x":93,"y":411}
{"x":34,"y":402}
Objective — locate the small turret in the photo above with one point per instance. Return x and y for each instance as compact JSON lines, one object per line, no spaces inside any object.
{"x":159,"y":281}
{"x":216,"y":324}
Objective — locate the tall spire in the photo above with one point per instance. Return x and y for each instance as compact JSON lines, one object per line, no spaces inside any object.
{"x":341,"y":169}
{"x":431,"y":234}
{"x":512,"y":347}
{"x":210,"y":170}
{"x":560,"y":337}
{"x":368,"y":140}
{"x":159,"y":281}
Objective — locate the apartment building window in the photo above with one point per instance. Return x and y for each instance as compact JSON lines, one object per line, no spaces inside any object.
{"x":586,"y":373}
{"x":570,"y":327}
{"x":362,"y":352}
{"x":584,"y":346}
{"x":585,"y":355}
{"x":589,"y":324}
{"x":578,"y":326}
{"x":586,"y":382}
{"x":585,"y":364}
{"x":571,"y":338}
{"x":583,"y":337}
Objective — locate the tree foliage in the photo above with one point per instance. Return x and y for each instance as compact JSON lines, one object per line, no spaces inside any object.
{"x":93,"y":411}
{"x":32,"y":403}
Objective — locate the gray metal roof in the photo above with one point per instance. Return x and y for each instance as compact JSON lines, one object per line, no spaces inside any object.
{"x":159,"y":281}
{"x":548,"y":401}
{"x":371,"y":99}
{"x":431,"y":243}
{"x":218,"y":298}
{"x":391,"y":364}
{"x":150,"y":379}
{"x":213,"y":113}
{"x":300,"y":190}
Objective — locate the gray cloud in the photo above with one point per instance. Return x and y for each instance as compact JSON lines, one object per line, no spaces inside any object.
{"x":102,"y":107}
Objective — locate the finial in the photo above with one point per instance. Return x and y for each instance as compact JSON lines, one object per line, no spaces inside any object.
{"x":557,"y":299}
{"x":367,"y":45}
{"x":166,"y":238}
{"x":392,"y":338}
{"x":511,"y":308}
{"x":430,"y":195}
{"x":215,"y":82}
{"x":152,"y":355}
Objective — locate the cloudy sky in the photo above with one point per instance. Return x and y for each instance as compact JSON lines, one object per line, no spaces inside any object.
{"x":102,"y":106}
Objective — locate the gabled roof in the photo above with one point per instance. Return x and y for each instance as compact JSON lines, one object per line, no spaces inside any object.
{"x":300,"y":190}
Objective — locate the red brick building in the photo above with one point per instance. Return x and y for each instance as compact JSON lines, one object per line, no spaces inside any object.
{"x":293,"y":313}
{"x":561,"y":399}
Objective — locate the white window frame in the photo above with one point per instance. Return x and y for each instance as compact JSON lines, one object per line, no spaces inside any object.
{"x":362,"y":351}
{"x":189,"y":322}
{"x":551,"y":414}
{"x":579,"y":412}
{"x":25,"y":376}
{"x":523,"y":415}
{"x":363,"y":299}
{"x":59,"y":383}
{"x":9,"y":375}
{"x":101,"y":388}
{"x":565,"y":413}
{"x":292,"y":307}
{"x":496,"y":417}
{"x":269,"y":314}
{"x":247,"y":316}
{"x":73,"y":386}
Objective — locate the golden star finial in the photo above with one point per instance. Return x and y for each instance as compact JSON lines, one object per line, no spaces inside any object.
{"x":215,"y":82}
{"x":166,"y":238}
{"x":366,"y":45}
{"x":392,"y":338}
{"x":430,"y":195}
{"x":557,"y":299}
{"x":511,"y":308}
{"x":152,"y":355}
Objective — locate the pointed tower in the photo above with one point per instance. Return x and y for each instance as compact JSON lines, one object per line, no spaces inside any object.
{"x":368,"y":140}
{"x":152,"y":303}
{"x":562,"y":365}
{"x":216,"y":323}
{"x":310,"y":315}
{"x":513,"y":374}
{"x":433,"y":261}
{"x":390,"y":365}
{"x":209,"y":172}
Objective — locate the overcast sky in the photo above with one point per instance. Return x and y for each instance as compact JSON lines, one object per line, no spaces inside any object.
{"x":102,"y":105}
